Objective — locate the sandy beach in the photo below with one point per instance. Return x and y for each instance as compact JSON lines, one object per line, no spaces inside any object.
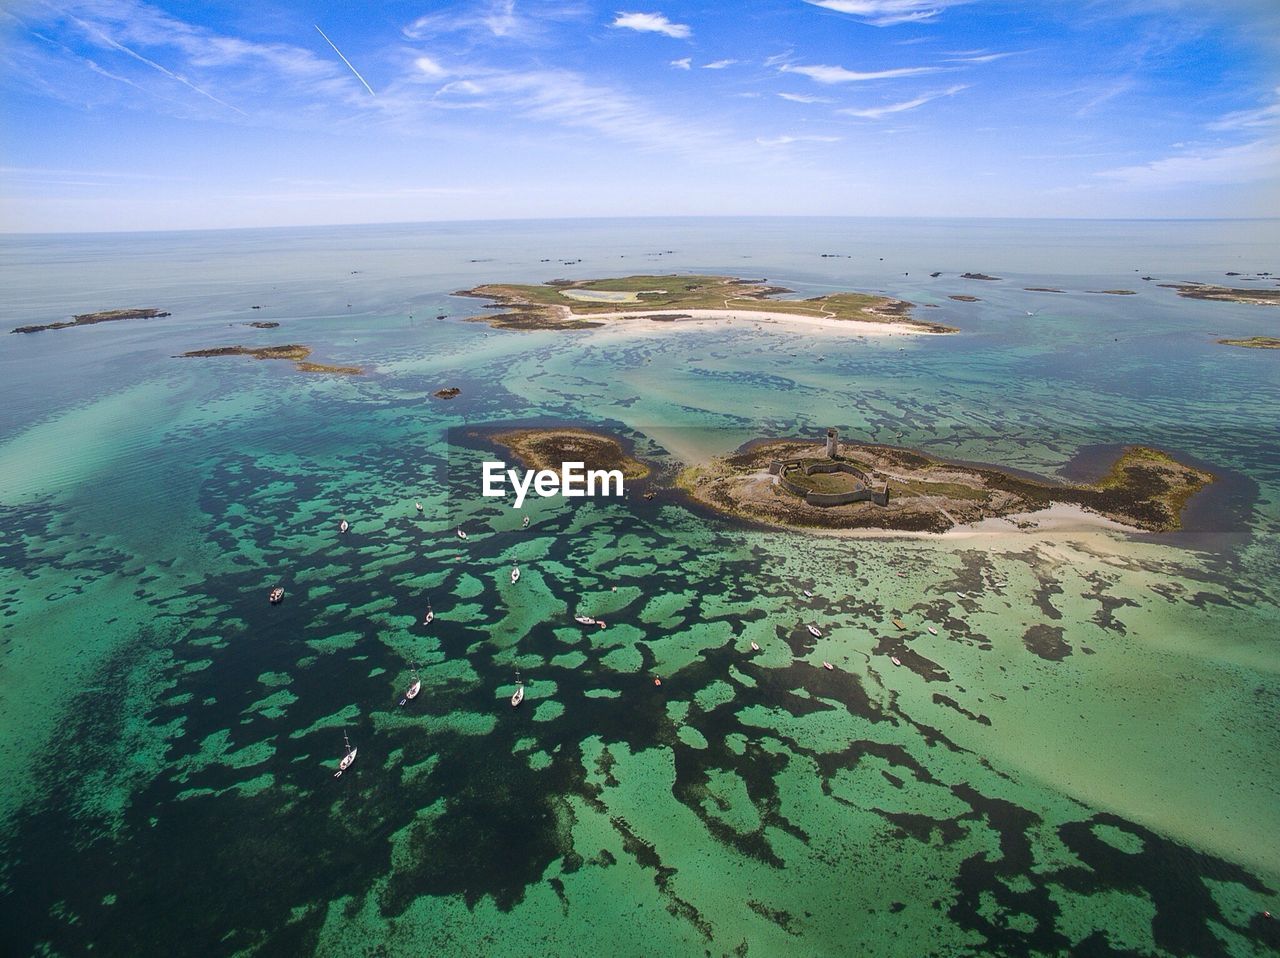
{"x":761,"y":318}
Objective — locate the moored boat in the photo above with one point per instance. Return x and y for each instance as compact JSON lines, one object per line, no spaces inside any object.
{"x":414,"y":688}
{"x":430,"y":616}
{"x":515,"y":575}
{"x":807,"y":593}
{"x":347,"y":758}
{"x":828,"y":666}
{"x":814,"y":631}
{"x":344,"y":525}
{"x":895,"y":660}
{"x":525,"y":524}
{"x":276,"y":596}
{"x":932,"y":630}
{"x":461,"y":534}
{"x":755,"y":647}
{"x":898,"y":623}
{"x":584,"y":620}
{"x":417,"y":505}
{"x":518,"y":696}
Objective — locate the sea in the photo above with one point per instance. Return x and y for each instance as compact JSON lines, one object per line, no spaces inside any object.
{"x":1084,"y":760}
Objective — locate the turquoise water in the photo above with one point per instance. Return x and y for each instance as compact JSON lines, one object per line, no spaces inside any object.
{"x":1084,"y":760}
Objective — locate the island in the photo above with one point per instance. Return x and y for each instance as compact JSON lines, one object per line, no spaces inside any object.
{"x":261,"y":324}
{"x":1226,"y":294}
{"x":565,"y":304}
{"x":1253,"y":342}
{"x":447,"y":393}
{"x":1114,"y":292}
{"x":1042,"y":289}
{"x":549,"y":448}
{"x":293,"y":351}
{"x":795,"y":483}
{"x":88,"y":319}
{"x":964,"y":298}
{"x":992,"y":279}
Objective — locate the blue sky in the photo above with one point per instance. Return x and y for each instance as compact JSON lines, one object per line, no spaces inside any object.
{"x":121,"y":114}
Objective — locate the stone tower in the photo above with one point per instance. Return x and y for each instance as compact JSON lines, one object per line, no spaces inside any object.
{"x":833,"y":444}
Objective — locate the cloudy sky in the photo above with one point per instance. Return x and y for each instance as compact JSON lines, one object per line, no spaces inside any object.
{"x":122,"y":114}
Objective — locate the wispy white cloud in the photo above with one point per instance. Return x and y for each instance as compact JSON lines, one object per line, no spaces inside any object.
{"x":496,"y":20}
{"x":805,"y":98}
{"x":886,"y":13}
{"x":653,"y":23}
{"x":834,"y":74}
{"x":718,"y":64}
{"x":684,"y":63}
{"x":1243,"y":163}
{"x":1260,"y":118}
{"x":876,"y":112}
{"x":429,"y":67}
{"x":981,"y":57}
{"x":785,"y":140}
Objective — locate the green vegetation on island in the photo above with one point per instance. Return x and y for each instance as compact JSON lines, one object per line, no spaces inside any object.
{"x":571,"y":304}
{"x":551,"y":448}
{"x":1145,"y":488}
{"x":1226,"y":294}
{"x":88,"y":319}
{"x":293,"y":351}
{"x":1253,"y":342}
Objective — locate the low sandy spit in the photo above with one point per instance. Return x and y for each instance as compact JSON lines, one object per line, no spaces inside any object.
{"x":703,"y":317}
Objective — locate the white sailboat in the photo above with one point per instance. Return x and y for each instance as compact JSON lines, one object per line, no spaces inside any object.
{"x":347,"y":759}
{"x":414,"y":688}
{"x":828,"y":666}
{"x":518,"y":697}
{"x":430,"y":616}
{"x":515,"y":574}
{"x":932,"y":630}
{"x":462,"y":535}
{"x":807,"y":593}
{"x":755,"y":647}
{"x":814,"y":631}
{"x":417,"y":505}
{"x":525,"y":524}
{"x":343,"y":526}
{"x":584,"y":620}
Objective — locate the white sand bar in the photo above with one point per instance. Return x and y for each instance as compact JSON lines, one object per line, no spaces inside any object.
{"x":702,"y":317}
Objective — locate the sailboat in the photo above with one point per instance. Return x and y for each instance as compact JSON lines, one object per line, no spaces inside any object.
{"x":515,"y":574}
{"x":417,"y":505}
{"x":828,"y":666}
{"x":525,"y":524}
{"x":461,"y":534}
{"x":895,"y":660}
{"x":276,"y":596}
{"x":814,"y":631}
{"x":755,"y":647}
{"x":584,"y":620}
{"x":414,"y":688}
{"x":807,"y":593}
{"x":430,"y":616}
{"x":932,"y":630}
{"x":518,"y":697}
{"x":347,"y":759}
{"x":343,"y":526}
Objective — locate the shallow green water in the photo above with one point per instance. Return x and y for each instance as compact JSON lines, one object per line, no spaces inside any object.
{"x":1084,"y":760}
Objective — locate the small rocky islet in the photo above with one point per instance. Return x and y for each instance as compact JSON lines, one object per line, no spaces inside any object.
{"x":291,"y":351}
{"x":102,"y":316}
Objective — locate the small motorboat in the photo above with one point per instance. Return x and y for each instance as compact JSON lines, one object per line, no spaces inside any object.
{"x":344,"y":525}
{"x":932,"y":630}
{"x":525,"y":524}
{"x":276,"y":596}
{"x":417,"y":505}
{"x":515,"y":575}
{"x":828,"y":666}
{"x":807,"y":593}
{"x":814,"y":631}
{"x":430,"y":616}
{"x":650,"y":494}
{"x":347,"y":759}
{"x":584,"y":620}
{"x":898,"y":623}
{"x":657,"y":681}
{"x":962,"y":595}
{"x":461,"y":534}
{"x":895,"y":660}
{"x":755,"y":647}
{"x":414,"y":688}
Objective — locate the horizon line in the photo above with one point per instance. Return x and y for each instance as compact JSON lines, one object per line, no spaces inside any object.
{"x":674,"y":216}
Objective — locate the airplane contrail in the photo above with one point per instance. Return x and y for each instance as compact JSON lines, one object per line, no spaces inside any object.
{"x":345,"y":60}
{"x":116,"y":45}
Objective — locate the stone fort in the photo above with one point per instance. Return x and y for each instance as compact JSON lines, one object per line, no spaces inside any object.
{"x":863,"y":487}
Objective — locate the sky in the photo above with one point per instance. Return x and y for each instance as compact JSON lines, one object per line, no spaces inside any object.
{"x":175,"y":114}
